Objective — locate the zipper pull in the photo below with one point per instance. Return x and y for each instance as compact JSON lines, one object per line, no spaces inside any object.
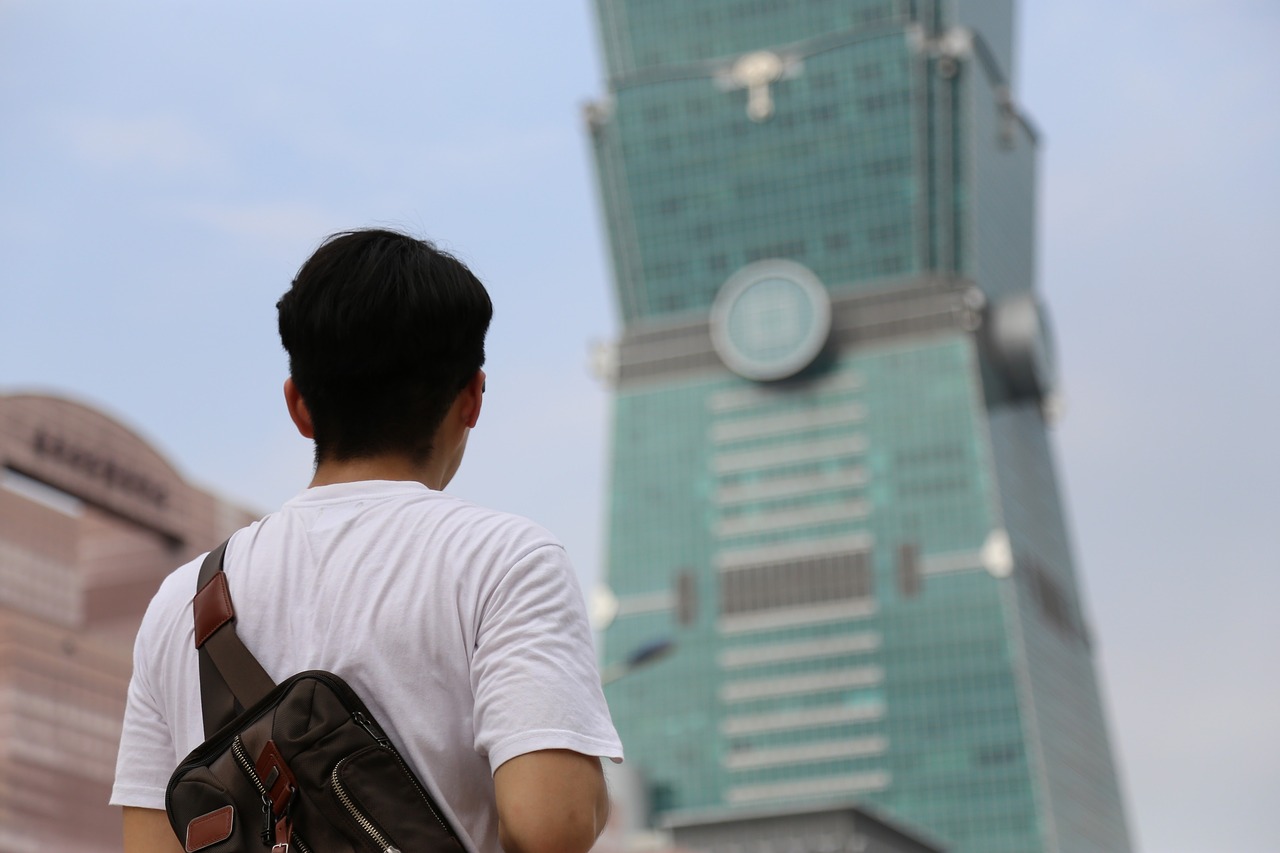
{"x":268,"y":826}
{"x":368,"y":725}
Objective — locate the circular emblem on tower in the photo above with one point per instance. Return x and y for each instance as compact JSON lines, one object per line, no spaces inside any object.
{"x":770,"y":320}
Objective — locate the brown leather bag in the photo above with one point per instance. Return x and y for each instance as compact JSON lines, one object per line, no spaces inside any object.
{"x":303,"y":767}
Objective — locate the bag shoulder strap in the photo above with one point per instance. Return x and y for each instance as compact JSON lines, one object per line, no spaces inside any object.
{"x":231,"y":679}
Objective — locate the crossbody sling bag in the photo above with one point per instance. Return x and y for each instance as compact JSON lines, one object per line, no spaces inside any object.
{"x":297,"y":766}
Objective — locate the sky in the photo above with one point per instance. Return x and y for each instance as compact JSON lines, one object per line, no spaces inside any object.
{"x":166,"y":166}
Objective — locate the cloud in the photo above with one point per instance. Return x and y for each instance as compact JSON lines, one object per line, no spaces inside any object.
{"x":159,"y":143}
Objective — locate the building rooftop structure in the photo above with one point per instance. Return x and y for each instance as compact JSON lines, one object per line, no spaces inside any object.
{"x":835,"y":828}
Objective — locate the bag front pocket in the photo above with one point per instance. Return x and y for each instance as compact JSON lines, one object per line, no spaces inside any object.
{"x":386,"y":802}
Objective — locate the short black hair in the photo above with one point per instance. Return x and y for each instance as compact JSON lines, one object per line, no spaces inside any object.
{"x":383,"y":330}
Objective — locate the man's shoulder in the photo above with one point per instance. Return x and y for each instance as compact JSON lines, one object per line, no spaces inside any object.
{"x":505,"y":526}
{"x":178,"y":587}
{"x":167,"y":628}
{"x":403,"y":518}
{"x":439,"y":515}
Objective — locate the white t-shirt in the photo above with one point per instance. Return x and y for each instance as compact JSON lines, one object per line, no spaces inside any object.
{"x":462,"y":629}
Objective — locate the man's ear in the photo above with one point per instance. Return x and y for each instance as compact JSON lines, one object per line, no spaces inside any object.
{"x":473,"y":399}
{"x":298,"y":409}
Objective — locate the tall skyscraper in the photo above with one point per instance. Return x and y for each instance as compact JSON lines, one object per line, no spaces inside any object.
{"x":832,"y":485}
{"x":91,"y":520}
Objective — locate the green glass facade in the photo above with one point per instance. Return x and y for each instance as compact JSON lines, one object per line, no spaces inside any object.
{"x":864,"y":565}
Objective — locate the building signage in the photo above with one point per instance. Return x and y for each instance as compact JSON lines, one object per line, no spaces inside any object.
{"x":99,"y":467}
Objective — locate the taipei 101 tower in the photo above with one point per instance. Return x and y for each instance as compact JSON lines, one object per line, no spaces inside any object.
{"x":833,"y":488}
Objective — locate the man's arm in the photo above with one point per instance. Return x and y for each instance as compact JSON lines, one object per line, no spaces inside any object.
{"x":148,"y":831}
{"x":550,"y":801}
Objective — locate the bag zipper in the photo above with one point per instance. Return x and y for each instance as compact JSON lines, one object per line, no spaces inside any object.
{"x":242,"y":758}
{"x":359,"y":817}
{"x":369,"y":726}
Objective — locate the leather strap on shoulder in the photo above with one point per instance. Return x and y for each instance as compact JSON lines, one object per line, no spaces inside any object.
{"x":231,"y":679}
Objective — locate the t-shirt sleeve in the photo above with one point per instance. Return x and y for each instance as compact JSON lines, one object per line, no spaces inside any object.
{"x":533,"y":671}
{"x":146,"y":757}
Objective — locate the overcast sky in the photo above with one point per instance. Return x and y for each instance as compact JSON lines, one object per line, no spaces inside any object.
{"x":166,"y":166}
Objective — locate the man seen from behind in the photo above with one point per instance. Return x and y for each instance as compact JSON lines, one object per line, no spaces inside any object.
{"x":463,"y":629}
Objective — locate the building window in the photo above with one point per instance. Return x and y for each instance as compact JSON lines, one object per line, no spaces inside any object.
{"x":815,"y":580}
{"x":909,"y":579}
{"x":686,"y":598}
{"x":41,"y":492}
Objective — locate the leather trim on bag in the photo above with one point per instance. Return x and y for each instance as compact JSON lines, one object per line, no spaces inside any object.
{"x":282,"y":783}
{"x":212,"y":608}
{"x":210,"y":828}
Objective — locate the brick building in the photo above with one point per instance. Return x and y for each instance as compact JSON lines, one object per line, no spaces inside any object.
{"x":91,"y":519}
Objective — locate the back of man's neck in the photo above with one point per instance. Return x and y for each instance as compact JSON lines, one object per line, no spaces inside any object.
{"x":332,"y":471}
